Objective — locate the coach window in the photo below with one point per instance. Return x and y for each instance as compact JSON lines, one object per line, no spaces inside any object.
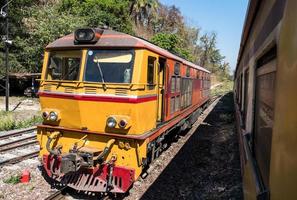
{"x":175,"y":79}
{"x":173,"y":84}
{"x":188,"y":72}
{"x":264,"y":111}
{"x":177,"y":84}
{"x":177,"y":69}
{"x":238,"y":89}
{"x":151,"y":70}
{"x":186,"y":92}
{"x":245,"y":102}
{"x":203,"y":78}
{"x":240,"y":92}
{"x":175,"y":89}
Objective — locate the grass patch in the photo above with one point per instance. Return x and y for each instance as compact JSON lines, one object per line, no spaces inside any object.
{"x":223,"y":89}
{"x":8,"y":121}
{"x":13,"y":179}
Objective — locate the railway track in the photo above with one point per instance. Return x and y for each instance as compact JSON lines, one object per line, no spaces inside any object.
{"x":159,"y":165}
{"x":58,"y":195}
{"x":18,"y":145}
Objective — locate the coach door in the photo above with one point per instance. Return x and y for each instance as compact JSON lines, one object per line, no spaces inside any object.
{"x":161,"y":85}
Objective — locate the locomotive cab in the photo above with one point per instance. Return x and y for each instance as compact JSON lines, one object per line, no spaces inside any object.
{"x":94,"y":75}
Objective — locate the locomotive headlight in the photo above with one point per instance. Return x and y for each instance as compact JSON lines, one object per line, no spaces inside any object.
{"x":87,"y":35}
{"x":111,"y":122}
{"x":123,"y":123}
{"x":45,"y":115}
{"x":53,"y":116}
{"x":84,"y":34}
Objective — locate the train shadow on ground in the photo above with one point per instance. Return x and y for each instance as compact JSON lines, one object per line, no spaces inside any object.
{"x":208,"y":164}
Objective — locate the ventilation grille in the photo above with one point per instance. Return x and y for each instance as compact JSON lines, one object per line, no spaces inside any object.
{"x":121,"y":92}
{"x":68,"y":90}
{"x":90,"y":90}
{"x":47,"y":88}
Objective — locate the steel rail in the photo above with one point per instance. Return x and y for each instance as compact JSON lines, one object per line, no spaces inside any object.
{"x":17,"y":141}
{"x":20,"y":158}
{"x":57,"y":195}
{"x":18,"y":145}
{"x":16,"y":132}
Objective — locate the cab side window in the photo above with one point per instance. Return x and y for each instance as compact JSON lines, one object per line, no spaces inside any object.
{"x":151,"y":70}
{"x":175,"y":89}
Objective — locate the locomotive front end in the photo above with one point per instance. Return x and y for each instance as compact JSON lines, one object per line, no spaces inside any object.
{"x":93,"y":99}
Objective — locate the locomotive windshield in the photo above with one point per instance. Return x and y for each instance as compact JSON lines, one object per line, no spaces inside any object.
{"x":111,"y":66}
{"x":64,"y":65}
{"x":102,"y":66}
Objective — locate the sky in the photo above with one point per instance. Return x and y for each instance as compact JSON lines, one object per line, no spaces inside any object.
{"x":225,"y":17}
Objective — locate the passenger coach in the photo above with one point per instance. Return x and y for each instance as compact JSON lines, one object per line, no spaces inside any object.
{"x":266,"y":100}
{"x":109,"y":100}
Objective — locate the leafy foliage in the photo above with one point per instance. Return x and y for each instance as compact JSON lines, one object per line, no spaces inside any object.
{"x":172,"y":43}
{"x":8,"y":121}
{"x":44,"y":25}
{"x":35,"y":23}
{"x":96,"y":13}
{"x":222,"y":89}
{"x":143,"y":11}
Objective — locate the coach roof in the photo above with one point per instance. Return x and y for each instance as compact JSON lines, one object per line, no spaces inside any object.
{"x":114,"y":39}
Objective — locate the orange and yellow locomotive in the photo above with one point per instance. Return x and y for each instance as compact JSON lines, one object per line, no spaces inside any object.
{"x":108,"y":101}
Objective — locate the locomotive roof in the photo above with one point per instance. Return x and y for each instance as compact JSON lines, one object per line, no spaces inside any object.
{"x":114,"y":39}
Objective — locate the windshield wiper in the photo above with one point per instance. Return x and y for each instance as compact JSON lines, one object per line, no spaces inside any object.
{"x":101,"y":74}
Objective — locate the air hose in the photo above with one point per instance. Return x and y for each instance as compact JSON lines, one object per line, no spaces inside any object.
{"x":105,"y":150}
{"x":52,"y":137}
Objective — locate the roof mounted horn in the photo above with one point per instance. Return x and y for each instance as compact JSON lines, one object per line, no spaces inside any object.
{"x":87,"y":35}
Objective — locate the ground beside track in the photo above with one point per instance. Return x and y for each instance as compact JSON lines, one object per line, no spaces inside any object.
{"x":202,"y":165}
{"x":23,"y":112}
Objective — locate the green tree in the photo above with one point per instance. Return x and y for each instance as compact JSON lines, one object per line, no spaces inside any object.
{"x":168,"y":19}
{"x":35,"y":23}
{"x":44,"y":25}
{"x":142,"y":11}
{"x":97,"y":13}
{"x":172,"y":43}
{"x":211,"y":57}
